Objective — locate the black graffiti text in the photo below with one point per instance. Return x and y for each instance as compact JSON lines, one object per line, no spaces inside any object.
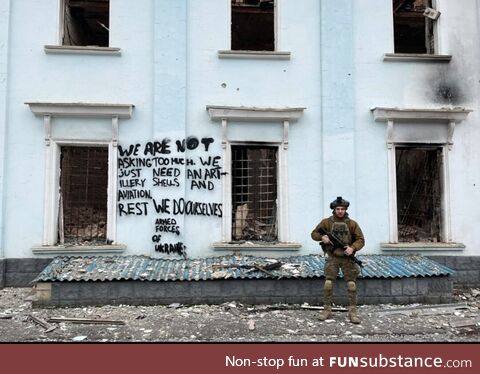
{"x":132,"y":183}
{"x":134,"y":194}
{"x":166,"y":172}
{"x":131,"y":150}
{"x":157,"y":182}
{"x":163,"y":206}
{"x":192,"y":143}
{"x":132,"y":173}
{"x":178,"y":248}
{"x":157,"y":147}
{"x":137,"y":209}
{"x":195,"y":208}
{"x":168,"y":225}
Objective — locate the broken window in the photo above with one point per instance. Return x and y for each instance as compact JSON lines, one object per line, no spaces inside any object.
{"x":413,"y":23}
{"x":86,"y":23}
{"x":83,"y":195}
{"x":419,"y":193}
{"x":254,"y":193}
{"x":253,"y":25}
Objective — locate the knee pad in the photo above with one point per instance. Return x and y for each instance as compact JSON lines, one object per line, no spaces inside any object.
{"x":351,"y":286}
{"x":328,"y":284}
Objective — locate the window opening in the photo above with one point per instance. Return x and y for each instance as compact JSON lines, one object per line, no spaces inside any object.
{"x":254,"y":193}
{"x":83,"y":195}
{"x":86,"y":23}
{"x":419,"y":194}
{"x":253,"y":25}
{"x":414,"y":26}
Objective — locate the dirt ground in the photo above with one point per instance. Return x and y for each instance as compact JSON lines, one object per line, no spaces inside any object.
{"x":234,"y":322}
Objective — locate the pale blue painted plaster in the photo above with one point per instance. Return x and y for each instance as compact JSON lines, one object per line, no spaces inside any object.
{"x":4,"y":44}
{"x":170,"y":70}
{"x":338,"y":120}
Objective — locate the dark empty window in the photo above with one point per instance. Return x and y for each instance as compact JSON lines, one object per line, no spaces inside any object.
{"x":254,"y":193}
{"x":83,"y":195}
{"x":413,"y":30}
{"x":253,"y":25}
{"x":86,"y":23}
{"x":419,"y":194}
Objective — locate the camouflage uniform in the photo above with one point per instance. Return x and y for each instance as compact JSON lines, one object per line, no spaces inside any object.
{"x":349,"y":232}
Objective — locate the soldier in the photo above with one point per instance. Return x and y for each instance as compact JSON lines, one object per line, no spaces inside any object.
{"x":349,"y":232}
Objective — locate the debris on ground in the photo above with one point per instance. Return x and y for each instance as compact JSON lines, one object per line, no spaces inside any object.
{"x":85,"y":320}
{"x":236,"y":322}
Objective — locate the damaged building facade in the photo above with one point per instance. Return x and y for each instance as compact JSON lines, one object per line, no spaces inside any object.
{"x":193,"y":129}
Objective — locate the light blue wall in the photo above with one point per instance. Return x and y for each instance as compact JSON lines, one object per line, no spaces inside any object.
{"x":170,"y":70}
{"x":4,"y":44}
{"x":37,"y":76}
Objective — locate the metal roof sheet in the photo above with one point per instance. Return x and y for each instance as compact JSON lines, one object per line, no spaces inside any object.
{"x":226,"y":267}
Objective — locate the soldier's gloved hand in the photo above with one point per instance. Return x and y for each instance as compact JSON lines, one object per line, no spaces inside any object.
{"x":326,"y":239}
{"x":348,"y":250}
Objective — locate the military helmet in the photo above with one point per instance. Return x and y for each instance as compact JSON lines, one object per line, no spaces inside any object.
{"x":339,"y":202}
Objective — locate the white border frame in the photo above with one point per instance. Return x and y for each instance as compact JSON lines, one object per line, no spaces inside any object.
{"x":52,"y":187}
{"x":52,"y":157}
{"x":446,"y":226}
{"x":281,"y":116}
{"x":282,"y":188}
{"x":394,"y":117}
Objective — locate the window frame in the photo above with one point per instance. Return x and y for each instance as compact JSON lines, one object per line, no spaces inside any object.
{"x":436,"y":127}
{"x":275,"y":31}
{"x":436,"y":56}
{"x":445,"y":221}
{"x":60,"y":48}
{"x":276,"y":54}
{"x":282,"y":233}
{"x":61,"y":26}
{"x":283,"y":116}
{"x":52,"y":188}
{"x":52,"y":159}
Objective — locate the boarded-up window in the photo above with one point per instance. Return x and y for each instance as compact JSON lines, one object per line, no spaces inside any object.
{"x":253,"y":26}
{"x":83,"y":195}
{"x":419,"y":194}
{"x":86,"y":22}
{"x":413,"y":31}
{"x":254,"y":193}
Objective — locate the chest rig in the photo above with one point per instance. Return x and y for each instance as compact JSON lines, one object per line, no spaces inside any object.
{"x":341,"y":230}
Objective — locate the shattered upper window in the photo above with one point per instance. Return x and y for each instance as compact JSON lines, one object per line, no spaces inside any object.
{"x":83,"y":195}
{"x":419,"y":194}
{"x":253,"y":25}
{"x":413,"y":29}
{"x":254,"y":193}
{"x":86,"y":23}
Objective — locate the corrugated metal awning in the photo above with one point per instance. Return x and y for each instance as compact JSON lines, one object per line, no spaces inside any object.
{"x":227,"y":267}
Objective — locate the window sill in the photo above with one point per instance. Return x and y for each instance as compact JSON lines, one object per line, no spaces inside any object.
{"x":418,"y":246}
{"x":81,"y":50}
{"x":93,"y":250}
{"x":256,"y":246}
{"x":263,"y":55}
{"x":414,"y":57}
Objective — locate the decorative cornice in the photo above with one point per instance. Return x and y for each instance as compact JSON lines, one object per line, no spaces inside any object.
{"x":263,"y":55}
{"x":416,"y":57}
{"x":231,"y":113}
{"x":442,"y":114}
{"x":81,"y":50}
{"x":90,"y":110}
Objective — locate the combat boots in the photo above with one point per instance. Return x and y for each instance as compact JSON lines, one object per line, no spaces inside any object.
{"x":328,"y":299}
{"x":352,"y":315}
{"x":352,"y":301}
{"x":326,"y":314}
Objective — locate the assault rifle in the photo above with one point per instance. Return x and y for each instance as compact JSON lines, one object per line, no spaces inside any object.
{"x":337,"y":243}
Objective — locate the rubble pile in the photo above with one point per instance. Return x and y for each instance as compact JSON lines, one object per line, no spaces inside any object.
{"x":236,"y":322}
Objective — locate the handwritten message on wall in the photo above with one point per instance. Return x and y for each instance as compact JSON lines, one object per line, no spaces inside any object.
{"x":150,"y":175}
